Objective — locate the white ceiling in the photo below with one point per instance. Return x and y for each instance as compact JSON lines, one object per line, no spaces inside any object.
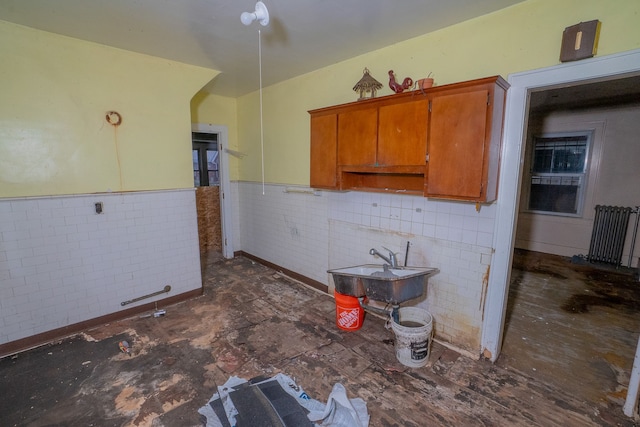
{"x":303,"y":35}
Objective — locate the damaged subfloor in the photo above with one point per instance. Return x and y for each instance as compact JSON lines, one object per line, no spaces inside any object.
{"x":253,"y":321}
{"x":572,"y":325}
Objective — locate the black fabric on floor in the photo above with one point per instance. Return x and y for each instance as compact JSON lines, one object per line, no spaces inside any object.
{"x":267,"y":405}
{"x":218,"y":408}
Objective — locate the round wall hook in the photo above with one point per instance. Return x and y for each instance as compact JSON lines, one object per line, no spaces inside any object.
{"x":113,"y":118}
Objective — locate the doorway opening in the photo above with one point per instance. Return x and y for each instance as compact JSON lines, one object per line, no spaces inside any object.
{"x":213,"y":200}
{"x":524,"y":86}
{"x":571,"y":323}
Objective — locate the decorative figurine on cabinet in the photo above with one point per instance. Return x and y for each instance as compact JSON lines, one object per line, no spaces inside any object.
{"x":367,"y":84}
{"x":397,"y":87}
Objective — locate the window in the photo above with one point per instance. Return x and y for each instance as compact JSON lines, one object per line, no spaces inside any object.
{"x":206,"y":159}
{"x":557,"y":173}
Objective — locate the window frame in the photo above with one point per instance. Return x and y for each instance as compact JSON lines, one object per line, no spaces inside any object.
{"x":202,"y":146}
{"x":584,"y":175}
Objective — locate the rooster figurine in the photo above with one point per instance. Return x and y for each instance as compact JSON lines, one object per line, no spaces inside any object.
{"x":397,"y":87}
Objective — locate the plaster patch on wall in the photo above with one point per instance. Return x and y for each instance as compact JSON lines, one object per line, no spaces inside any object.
{"x":292,"y":227}
{"x":382,"y":231}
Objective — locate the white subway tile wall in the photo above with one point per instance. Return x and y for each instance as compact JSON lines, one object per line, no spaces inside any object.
{"x":289,"y":229}
{"x":310,"y":234}
{"x":62,"y":263}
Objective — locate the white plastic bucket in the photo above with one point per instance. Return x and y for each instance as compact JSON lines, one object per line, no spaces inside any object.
{"x":413,"y":336}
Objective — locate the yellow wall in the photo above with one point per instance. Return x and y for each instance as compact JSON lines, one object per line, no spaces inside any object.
{"x":218,"y":110}
{"x":523,"y":37}
{"x":54,"y":139}
{"x":56,"y":90}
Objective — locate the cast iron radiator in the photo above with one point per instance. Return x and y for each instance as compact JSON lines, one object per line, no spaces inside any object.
{"x":608,"y":235}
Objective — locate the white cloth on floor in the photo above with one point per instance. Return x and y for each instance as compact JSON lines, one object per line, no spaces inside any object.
{"x":223,"y":396}
{"x":339,"y":411}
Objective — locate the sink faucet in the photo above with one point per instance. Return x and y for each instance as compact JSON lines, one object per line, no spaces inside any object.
{"x":391,"y":259}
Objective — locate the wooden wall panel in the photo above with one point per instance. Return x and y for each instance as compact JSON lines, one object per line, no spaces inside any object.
{"x":209,"y":221}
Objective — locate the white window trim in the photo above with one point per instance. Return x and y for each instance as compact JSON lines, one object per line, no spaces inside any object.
{"x":527,"y":172}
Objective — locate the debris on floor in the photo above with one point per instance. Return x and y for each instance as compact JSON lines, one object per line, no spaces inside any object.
{"x":124,"y":347}
{"x":244,"y":325}
{"x":279,"y":401}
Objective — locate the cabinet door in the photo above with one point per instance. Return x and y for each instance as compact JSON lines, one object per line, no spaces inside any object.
{"x":357,"y":136}
{"x":324,"y":148}
{"x":402,"y":133}
{"x":457,"y":145}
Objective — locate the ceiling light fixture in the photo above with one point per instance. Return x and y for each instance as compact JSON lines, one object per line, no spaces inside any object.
{"x":261,"y":14}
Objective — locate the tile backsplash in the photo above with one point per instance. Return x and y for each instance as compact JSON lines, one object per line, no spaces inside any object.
{"x":62,"y":263}
{"x":312,"y":232}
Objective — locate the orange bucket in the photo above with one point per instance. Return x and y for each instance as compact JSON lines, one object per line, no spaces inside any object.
{"x":349,"y":313}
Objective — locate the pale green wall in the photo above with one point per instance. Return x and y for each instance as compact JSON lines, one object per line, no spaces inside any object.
{"x":54,"y":93}
{"x":523,"y":37}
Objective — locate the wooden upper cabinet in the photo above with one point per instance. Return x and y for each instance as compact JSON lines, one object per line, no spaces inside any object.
{"x":443,"y":142}
{"x":456,"y":146}
{"x":324,"y":149}
{"x":402,"y":133}
{"x":357,"y":136}
{"x":464,"y":141}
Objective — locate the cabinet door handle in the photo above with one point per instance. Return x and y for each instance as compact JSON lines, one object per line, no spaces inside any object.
{"x":426,"y":158}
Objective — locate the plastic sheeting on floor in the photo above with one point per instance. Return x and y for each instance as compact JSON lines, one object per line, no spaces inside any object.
{"x":280,"y":402}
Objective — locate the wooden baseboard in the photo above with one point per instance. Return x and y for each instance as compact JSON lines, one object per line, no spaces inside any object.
{"x":297,"y":276}
{"x":33,"y":341}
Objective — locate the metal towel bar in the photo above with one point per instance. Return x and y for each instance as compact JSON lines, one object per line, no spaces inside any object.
{"x":164,"y":291}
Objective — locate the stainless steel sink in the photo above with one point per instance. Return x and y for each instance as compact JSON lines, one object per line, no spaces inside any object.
{"x":382,"y":283}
